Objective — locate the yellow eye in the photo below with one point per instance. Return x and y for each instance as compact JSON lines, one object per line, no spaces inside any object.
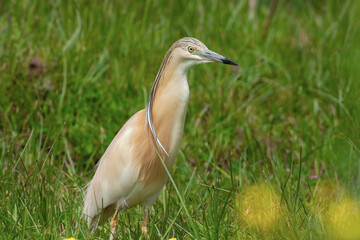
{"x":191,"y":49}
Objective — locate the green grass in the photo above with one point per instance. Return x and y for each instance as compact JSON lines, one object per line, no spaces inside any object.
{"x":290,"y":112}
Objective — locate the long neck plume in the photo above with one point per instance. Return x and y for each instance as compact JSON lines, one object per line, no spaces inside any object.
{"x":149,"y":118}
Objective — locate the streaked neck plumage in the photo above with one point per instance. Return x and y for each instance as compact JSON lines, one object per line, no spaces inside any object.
{"x":168,"y":101}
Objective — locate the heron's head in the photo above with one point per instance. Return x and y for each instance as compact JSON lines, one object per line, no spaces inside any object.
{"x":192,"y":51}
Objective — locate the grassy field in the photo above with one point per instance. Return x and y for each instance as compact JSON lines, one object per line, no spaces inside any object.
{"x":270,"y":150}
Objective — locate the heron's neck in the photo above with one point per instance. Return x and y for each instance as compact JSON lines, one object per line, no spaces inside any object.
{"x":173,"y":75}
{"x":170,"y":105}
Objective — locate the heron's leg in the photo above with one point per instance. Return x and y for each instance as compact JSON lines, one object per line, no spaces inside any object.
{"x":144,"y":228}
{"x":147,"y":206}
{"x":113,"y":224}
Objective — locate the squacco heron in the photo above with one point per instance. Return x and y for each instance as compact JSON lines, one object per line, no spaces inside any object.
{"x":131,"y":172}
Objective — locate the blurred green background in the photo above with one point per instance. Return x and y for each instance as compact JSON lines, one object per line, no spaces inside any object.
{"x":72,"y":73}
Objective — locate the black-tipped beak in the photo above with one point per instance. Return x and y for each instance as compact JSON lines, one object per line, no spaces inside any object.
{"x":228,"y":61}
{"x":215,"y":57}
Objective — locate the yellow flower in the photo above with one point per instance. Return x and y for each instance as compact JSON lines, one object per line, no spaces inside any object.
{"x":70,"y":238}
{"x":343,"y":219}
{"x":260,"y":207}
{"x":172,"y":239}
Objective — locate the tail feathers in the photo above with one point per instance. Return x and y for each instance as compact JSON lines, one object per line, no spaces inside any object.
{"x":94,"y":212}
